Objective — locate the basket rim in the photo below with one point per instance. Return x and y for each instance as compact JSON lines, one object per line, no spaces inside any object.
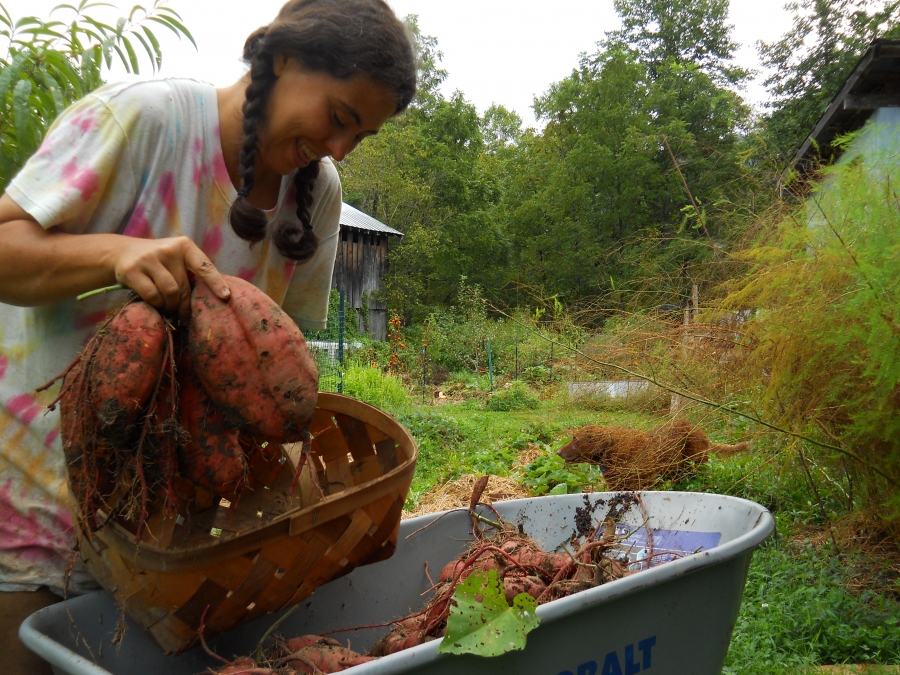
{"x":291,"y":523}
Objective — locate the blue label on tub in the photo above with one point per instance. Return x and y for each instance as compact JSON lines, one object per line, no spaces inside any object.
{"x":663,"y":546}
{"x":629,"y":660}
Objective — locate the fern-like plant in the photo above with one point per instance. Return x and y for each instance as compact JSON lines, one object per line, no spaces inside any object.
{"x":49,"y":64}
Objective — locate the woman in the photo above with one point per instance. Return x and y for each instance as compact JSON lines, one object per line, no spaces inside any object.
{"x":148,"y":184}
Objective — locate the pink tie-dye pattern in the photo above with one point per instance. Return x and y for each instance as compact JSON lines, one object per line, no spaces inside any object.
{"x":25,"y":533}
{"x":246,"y":273}
{"x":89,"y":320}
{"x":167,"y":190}
{"x":218,"y":163}
{"x":139,"y":224}
{"x":201,"y":168}
{"x":86,"y":180}
{"x":213,"y":241}
{"x":289,"y":267}
{"x":25,"y":407}
{"x":50,"y":438}
{"x":4,"y":363}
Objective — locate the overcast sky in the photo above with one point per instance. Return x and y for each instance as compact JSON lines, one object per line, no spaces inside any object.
{"x":495,"y":51}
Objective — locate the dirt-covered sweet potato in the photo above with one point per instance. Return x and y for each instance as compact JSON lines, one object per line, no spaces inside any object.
{"x":311,"y":652}
{"x":253,"y":360}
{"x":126,"y":367}
{"x":211,"y":456}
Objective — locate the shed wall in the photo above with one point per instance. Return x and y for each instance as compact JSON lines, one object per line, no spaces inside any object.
{"x":360,"y":264}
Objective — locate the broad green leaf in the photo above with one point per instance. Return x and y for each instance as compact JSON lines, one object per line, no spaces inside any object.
{"x":122,"y":58}
{"x":132,"y":57}
{"x":21,"y":111}
{"x":482,"y":623}
{"x":560,"y":489}
{"x":175,"y":26}
{"x":64,"y":68}
{"x":27,"y":21}
{"x":59,"y":102}
{"x":148,"y":49}
{"x":10,"y":72}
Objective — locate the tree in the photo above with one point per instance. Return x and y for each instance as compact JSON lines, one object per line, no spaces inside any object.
{"x":813,"y":59}
{"x":49,"y":64}
{"x":682,"y":31}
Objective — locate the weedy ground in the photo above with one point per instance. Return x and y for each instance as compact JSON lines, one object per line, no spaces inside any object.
{"x":824,"y":589}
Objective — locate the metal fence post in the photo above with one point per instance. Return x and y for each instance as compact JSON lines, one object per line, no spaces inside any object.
{"x":490,"y":366}
{"x":341,"y":317}
{"x":424,"y":365}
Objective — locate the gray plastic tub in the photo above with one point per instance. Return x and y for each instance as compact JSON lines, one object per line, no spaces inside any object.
{"x":673,"y":618}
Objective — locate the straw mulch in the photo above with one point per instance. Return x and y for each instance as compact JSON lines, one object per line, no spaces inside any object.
{"x":456,"y":494}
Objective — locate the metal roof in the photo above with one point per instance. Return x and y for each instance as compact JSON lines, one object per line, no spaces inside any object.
{"x":351,"y":217}
{"x":874,"y":83}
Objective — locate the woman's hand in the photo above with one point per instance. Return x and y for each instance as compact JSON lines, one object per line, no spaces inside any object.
{"x":159,"y":271}
{"x":39,"y":266}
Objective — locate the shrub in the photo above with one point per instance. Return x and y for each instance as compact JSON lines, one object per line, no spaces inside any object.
{"x":516,"y":397}
{"x":382,"y":390}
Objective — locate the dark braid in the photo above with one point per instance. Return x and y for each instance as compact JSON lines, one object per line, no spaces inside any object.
{"x":343,"y":38}
{"x":247,"y":221}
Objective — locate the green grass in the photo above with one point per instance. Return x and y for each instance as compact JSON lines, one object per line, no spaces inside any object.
{"x":798,"y":610}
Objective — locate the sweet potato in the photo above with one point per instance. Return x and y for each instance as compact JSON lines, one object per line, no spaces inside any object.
{"x":311,"y":652}
{"x":126,"y":367}
{"x":212,"y":457}
{"x":244,"y":666}
{"x":532,"y":585}
{"x":253,"y":360}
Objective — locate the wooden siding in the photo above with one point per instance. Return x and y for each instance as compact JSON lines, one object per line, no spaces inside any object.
{"x":358,"y":268}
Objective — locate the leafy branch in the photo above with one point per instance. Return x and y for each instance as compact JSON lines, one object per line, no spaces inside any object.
{"x":49,"y":64}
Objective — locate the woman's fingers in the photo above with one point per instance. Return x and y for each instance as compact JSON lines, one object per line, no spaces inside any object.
{"x":159,"y":272}
{"x":196,"y":262}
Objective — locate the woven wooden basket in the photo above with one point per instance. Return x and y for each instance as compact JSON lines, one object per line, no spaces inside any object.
{"x":270,"y":550}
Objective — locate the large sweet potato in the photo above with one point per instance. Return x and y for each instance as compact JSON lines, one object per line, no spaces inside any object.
{"x":311,"y":653}
{"x":212,"y":456}
{"x":253,"y":360}
{"x":126,"y":367}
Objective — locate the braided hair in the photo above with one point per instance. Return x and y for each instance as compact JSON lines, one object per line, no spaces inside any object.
{"x":343,"y":38}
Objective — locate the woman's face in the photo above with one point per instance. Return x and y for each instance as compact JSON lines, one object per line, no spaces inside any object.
{"x":312,"y":115}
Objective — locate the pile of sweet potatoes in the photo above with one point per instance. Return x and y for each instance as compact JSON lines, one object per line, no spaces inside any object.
{"x":152,"y":412}
{"x":522,"y":565}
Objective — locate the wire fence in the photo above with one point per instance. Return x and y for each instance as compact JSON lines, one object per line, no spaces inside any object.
{"x":329,"y":353}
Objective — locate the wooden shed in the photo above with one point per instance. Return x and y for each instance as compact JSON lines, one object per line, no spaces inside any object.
{"x":871,"y":93}
{"x":360,"y":265}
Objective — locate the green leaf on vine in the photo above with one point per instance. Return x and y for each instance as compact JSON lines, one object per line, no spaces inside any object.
{"x":481,"y":622}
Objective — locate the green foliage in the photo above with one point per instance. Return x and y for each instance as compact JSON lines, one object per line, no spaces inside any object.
{"x":798,"y":611}
{"x":382,"y":390}
{"x":481,"y":622}
{"x":823,"y":355}
{"x":548,"y":472}
{"x":49,"y":64}
{"x":813,"y":59}
{"x":683,"y":31}
{"x":441,"y":441}
{"x":516,"y":397}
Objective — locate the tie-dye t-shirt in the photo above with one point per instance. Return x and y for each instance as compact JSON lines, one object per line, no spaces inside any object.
{"x":143,"y":159}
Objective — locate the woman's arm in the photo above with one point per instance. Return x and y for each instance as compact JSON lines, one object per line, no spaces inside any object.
{"x":39,"y":266}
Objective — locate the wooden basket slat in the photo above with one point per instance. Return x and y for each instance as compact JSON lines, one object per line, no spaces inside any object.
{"x":230,"y":573}
{"x":170,"y":633}
{"x":387,"y":455}
{"x":283,"y":553}
{"x":274,"y":549}
{"x":356,"y":434}
{"x":365,"y":470}
{"x":207,"y":598}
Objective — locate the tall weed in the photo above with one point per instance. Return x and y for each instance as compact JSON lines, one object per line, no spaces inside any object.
{"x":823,"y":346}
